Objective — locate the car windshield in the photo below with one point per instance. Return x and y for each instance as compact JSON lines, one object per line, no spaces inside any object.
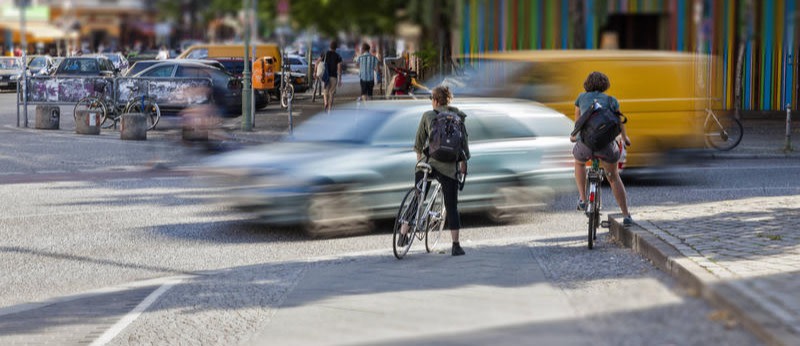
{"x":139,"y":67}
{"x":38,"y":62}
{"x":9,"y":64}
{"x":235,"y":67}
{"x":344,"y":126}
{"x":113,"y":57}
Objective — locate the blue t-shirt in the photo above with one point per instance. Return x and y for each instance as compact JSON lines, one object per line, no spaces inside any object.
{"x":585,"y":101}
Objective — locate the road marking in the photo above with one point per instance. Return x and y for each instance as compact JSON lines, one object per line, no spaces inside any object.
{"x":118,"y":327}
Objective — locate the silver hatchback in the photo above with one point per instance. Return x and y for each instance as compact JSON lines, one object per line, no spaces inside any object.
{"x":341,"y":170}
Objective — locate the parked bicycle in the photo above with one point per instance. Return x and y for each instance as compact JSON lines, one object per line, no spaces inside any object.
{"x":287,"y":89}
{"x":722,"y":133}
{"x":110,"y":112}
{"x":423,"y":214}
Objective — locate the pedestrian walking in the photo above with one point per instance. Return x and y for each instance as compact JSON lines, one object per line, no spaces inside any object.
{"x":333,"y":67}
{"x":367,"y":68}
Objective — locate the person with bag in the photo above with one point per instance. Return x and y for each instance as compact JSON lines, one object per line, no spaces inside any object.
{"x":598,"y":122}
{"x":442,"y":140}
{"x":331,"y":75}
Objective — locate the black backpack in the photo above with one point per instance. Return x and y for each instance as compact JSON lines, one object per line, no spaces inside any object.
{"x":446,"y":137}
{"x":599,"y":126}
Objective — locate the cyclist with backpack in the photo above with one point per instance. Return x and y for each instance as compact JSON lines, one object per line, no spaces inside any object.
{"x":598,"y":122}
{"x":442,"y":139}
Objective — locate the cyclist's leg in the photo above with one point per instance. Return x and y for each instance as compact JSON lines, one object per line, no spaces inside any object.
{"x":450,"y":194}
{"x":609,"y":160}
{"x":581,"y":153}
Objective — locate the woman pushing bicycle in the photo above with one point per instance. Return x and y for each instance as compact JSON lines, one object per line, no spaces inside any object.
{"x":437,"y":129}
{"x":595,"y":85}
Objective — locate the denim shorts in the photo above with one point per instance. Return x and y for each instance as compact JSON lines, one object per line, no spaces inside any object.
{"x":610,"y":153}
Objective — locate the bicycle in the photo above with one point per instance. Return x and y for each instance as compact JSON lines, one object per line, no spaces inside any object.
{"x":425,"y":220}
{"x":594,"y":180}
{"x":287,"y":89}
{"x":108,"y":110}
{"x":724,"y":134}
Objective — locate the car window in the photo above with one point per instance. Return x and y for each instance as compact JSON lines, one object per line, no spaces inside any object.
{"x":159,"y":71}
{"x":400,"y":130}
{"x":499,"y":125}
{"x":38,"y":62}
{"x":201,"y":53}
{"x":191,"y":72}
{"x":551,"y":125}
{"x":87,"y":65}
{"x":139,"y":67}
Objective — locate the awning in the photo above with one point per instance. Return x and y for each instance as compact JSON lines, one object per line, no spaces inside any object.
{"x":35,"y":31}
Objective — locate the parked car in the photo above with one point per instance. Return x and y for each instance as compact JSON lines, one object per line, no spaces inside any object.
{"x":297,"y":64}
{"x":10,"y":72}
{"x":92,"y":65}
{"x":226,"y":88}
{"x":118,"y":60}
{"x":341,"y":169}
{"x":235,"y":66}
{"x":139,"y":66}
{"x":40,"y":64}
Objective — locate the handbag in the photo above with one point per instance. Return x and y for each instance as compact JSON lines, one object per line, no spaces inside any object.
{"x":322,"y":70}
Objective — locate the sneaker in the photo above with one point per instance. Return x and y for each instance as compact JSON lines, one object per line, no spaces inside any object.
{"x":402,"y":240}
{"x":627,"y":221}
{"x":457,"y":250}
{"x":581,"y":205}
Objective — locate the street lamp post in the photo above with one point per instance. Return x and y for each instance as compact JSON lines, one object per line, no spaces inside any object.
{"x":23,"y":4}
{"x":247,"y":88}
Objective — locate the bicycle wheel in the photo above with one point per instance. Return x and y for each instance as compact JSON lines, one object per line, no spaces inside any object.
{"x":406,"y":214}
{"x":437,"y":214}
{"x":723,"y":133}
{"x":287,"y":95}
{"x":149,"y":108}
{"x":592,"y":213}
{"x":91,"y":104}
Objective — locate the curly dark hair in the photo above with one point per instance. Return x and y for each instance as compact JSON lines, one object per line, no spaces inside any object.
{"x":596,"y":81}
{"x":442,"y":95}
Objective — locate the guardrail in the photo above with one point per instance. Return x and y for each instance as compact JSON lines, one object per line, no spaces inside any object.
{"x":62,"y":91}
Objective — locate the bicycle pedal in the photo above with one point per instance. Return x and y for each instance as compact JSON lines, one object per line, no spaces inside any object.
{"x":604,"y":224}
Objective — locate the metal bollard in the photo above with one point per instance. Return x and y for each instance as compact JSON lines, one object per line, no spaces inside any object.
{"x":788,"y":145}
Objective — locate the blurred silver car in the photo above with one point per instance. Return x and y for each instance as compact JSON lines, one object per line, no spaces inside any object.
{"x":10,"y":72}
{"x":341,"y":170}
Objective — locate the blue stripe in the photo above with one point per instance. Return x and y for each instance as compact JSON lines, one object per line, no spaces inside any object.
{"x":481,"y":19}
{"x":367,"y":64}
{"x":766,"y":98}
{"x":466,"y":29}
{"x":787,"y":96}
{"x":564,"y":26}
{"x":681,"y":10}
{"x":589,"y":24}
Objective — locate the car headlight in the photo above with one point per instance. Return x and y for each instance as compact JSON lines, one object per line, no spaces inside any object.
{"x":17,"y":76}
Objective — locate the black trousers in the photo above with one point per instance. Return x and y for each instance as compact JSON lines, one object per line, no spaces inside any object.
{"x":450,"y":194}
{"x":366,"y":87}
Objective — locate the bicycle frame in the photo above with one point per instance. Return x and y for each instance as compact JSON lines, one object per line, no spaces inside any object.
{"x":594,"y":179}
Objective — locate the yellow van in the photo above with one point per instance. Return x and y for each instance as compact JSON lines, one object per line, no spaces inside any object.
{"x":663,"y":94}
{"x":205,"y":51}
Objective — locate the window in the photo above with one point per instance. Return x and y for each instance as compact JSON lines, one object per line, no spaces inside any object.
{"x":201,"y":53}
{"x":191,"y":72}
{"x":89,"y":66}
{"x":159,"y":71}
{"x":500,"y":125}
{"x":400,"y":130}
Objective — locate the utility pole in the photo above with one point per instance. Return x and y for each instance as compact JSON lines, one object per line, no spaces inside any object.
{"x":247,"y":88}
{"x":23,"y":4}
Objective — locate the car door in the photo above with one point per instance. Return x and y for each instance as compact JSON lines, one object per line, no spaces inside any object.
{"x":502,"y":149}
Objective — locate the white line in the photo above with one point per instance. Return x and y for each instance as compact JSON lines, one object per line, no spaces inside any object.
{"x":133,"y":315}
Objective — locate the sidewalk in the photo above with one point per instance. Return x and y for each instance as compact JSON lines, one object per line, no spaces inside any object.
{"x":743,"y":256}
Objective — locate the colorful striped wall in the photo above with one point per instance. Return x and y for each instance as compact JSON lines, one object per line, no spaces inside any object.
{"x":770,"y":63}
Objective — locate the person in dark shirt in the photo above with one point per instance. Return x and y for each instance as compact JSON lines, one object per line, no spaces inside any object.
{"x":333,"y":64}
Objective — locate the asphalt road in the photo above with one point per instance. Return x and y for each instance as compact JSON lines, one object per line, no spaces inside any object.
{"x":84,"y":229}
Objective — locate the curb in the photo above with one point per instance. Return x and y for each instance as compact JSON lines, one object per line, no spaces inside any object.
{"x":696,"y":279}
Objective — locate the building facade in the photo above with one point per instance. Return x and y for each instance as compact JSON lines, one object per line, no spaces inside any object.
{"x":764,"y":30}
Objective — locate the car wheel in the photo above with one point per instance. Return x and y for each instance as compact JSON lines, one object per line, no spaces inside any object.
{"x":335,"y":214}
